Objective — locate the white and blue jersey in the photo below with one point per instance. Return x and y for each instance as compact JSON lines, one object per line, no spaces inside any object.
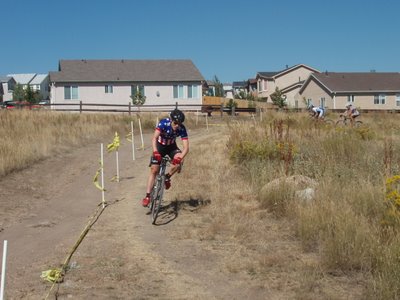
{"x":168,"y":135}
{"x":319,"y":111}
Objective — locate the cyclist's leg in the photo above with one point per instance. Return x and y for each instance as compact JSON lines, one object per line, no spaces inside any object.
{"x":152,"y":176}
{"x":154,"y":168}
{"x":175,"y":153}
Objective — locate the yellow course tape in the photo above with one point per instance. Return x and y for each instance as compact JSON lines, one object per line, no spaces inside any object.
{"x":128,"y":136}
{"x":115,"y":144}
{"x":53,"y":275}
{"x":96,"y":178}
{"x":57,"y":275}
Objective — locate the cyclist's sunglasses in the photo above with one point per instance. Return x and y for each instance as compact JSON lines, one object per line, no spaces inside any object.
{"x":176,"y":123}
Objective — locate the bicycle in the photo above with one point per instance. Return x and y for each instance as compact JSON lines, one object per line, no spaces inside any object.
{"x":322,"y":120}
{"x":345,"y":120}
{"x":156,"y":195}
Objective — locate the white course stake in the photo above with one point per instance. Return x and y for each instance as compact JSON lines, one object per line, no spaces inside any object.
{"x":141,"y":134}
{"x":3,"y":271}
{"x":133,"y":142}
{"x":102,"y":176}
{"x":116,"y":157}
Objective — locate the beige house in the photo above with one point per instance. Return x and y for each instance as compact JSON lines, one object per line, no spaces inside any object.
{"x":162,"y":82}
{"x":289,"y":81}
{"x":7,"y":84}
{"x":370,"y":91}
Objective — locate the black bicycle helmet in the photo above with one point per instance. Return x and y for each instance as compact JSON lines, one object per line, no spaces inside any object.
{"x":177,"y":116}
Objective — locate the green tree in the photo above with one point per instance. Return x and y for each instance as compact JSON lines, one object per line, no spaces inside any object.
{"x":231,"y":104}
{"x":219,"y":87}
{"x":138,"y":98}
{"x":18,"y":93}
{"x":278,"y":98}
{"x":31,"y":96}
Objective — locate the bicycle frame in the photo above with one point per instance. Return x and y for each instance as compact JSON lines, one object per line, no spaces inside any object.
{"x":345,"y":120}
{"x":158,"y":189}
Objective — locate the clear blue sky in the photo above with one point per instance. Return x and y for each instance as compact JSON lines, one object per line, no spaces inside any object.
{"x":232,"y":40}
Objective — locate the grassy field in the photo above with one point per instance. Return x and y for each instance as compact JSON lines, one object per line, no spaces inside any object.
{"x":348,"y":232}
{"x":349,"y":227}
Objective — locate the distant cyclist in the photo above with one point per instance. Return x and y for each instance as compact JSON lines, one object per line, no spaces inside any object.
{"x":316,"y":111}
{"x":164,"y":143}
{"x":351,"y":112}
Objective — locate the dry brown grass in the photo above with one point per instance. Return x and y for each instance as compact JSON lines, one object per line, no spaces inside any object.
{"x":334,"y":247}
{"x":28,"y":136}
{"x":339,"y":234}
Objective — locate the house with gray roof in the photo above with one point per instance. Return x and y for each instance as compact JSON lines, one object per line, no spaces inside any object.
{"x":162,"y":82}
{"x":37,"y":82}
{"x":7,"y":84}
{"x":368,"y":90}
{"x":288,"y":81}
{"x":40,"y":84}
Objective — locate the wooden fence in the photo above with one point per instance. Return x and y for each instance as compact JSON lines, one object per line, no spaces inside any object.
{"x":203,"y":108}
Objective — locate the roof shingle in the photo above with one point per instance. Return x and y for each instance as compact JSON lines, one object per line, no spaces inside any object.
{"x":126,"y":71}
{"x":359,"y":82}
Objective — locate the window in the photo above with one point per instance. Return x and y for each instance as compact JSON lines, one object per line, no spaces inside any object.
{"x":193,"y":91}
{"x":108,"y":89}
{"x":261,"y":85}
{"x":397,"y":99}
{"x":70,"y":92}
{"x":350,"y":98}
{"x":178,"y":91}
{"x":135,"y":89}
{"x":322,"y":102}
{"x":309,"y":101}
{"x":380,"y":99}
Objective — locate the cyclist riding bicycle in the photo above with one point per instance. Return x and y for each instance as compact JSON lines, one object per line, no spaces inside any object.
{"x":164,"y":143}
{"x":351,"y":112}
{"x":317,"y":112}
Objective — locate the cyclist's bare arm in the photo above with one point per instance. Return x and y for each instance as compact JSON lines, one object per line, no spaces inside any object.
{"x":154,"y":139}
{"x":185,"y":149}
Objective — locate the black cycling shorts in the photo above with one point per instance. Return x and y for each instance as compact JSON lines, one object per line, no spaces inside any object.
{"x":169,"y":150}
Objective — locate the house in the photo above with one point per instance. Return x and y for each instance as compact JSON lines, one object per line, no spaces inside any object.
{"x":40,"y":83}
{"x":252,"y":87}
{"x":239,"y":89}
{"x":162,"y":82}
{"x":23,"y":79}
{"x":210,"y":89}
{"x":37,"y":82}
{"x":368,"y":90}
{"x":288,"y":81}
{"x":7,"y":85}
{"x":228,"y":90}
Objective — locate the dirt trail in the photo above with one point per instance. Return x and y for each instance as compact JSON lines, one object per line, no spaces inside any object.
{"x":45,"y":208}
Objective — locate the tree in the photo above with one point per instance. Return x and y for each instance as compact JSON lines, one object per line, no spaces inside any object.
{"x":219,"y":87}
{"x":231,"y":104}
{"x":278,"y":98}
{"x":31,"y":96}
{"x":138,"y":98}
{"x":18,"y":93}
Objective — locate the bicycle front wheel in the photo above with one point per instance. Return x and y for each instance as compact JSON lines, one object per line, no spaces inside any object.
{"x":340,"y":123}
{"x":158,"y":193}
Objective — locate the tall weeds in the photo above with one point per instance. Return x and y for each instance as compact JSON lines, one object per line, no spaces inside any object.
{"x":353,"y":221}
{"x":28,"y":136}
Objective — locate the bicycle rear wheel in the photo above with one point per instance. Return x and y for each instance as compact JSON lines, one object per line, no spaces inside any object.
{"x":340,"y":123}
{"x":358,"y":124}
{"x":157,"y":196}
